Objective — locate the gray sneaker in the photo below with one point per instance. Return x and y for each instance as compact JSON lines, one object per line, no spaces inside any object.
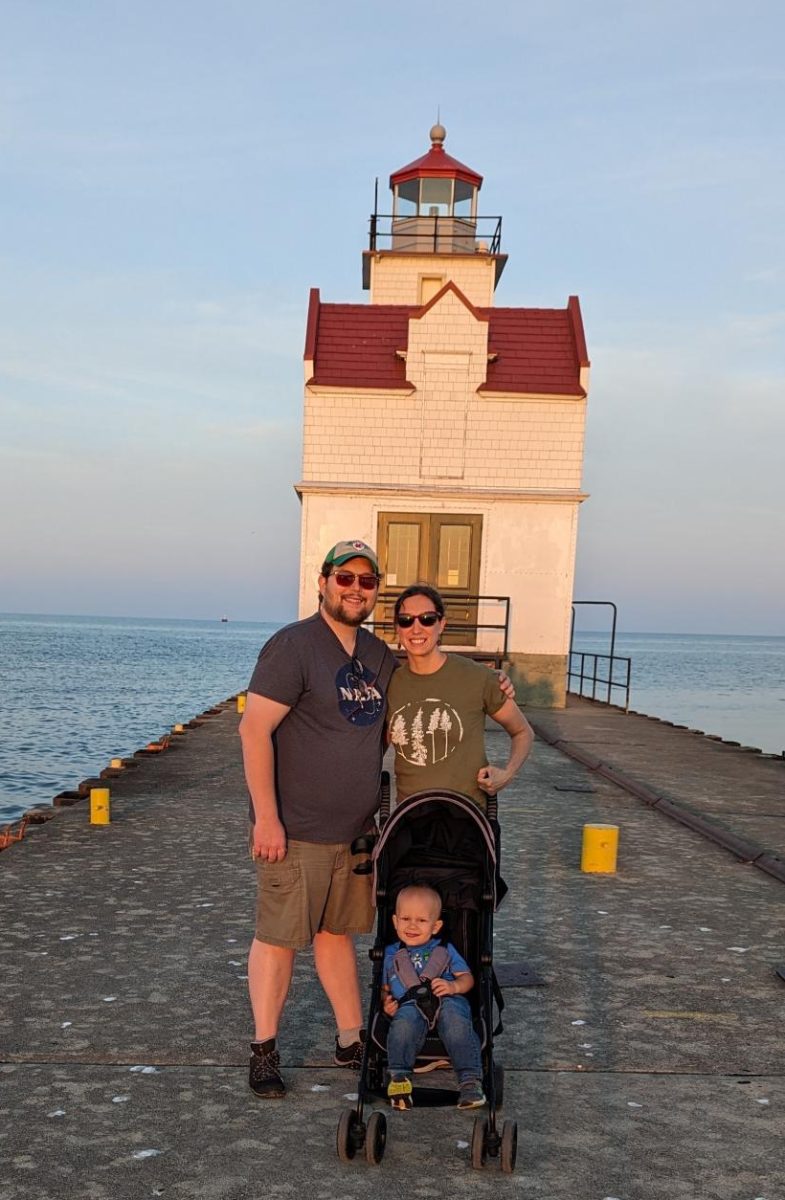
{"x":470,"y":1094}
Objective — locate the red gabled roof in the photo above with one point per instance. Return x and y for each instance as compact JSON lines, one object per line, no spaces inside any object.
{"x":479,"y":314}
{"x":354,"y":345}
{"x":535,"y":350}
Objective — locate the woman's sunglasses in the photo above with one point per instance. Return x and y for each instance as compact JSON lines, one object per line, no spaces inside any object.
{"x":426,"y":619}
{"x":367,"y":582}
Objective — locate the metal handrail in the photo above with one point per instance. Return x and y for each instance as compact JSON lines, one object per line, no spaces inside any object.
{"x":475,"y":626}
{"x":592,"y":677}
{"x":612,"y":658}
{"x":482,"y":228}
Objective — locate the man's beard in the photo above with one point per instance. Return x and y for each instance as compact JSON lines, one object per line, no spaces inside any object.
{"x":336,"y":610}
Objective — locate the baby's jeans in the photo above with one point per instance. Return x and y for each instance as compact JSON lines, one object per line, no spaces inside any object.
{"x":409,"y":1029}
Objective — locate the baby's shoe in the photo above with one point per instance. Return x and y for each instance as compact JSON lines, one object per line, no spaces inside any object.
{"x":470,"y":1094}
{"x":399,"y":1092}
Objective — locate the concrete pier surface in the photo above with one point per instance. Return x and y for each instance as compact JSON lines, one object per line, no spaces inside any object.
{"x":649,"y":1066}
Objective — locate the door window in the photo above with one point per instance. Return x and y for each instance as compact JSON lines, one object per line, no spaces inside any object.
{"x":403,"y":554}
{"x":455,"y":542}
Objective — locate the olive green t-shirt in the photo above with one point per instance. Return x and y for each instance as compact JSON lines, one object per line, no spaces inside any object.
{"x":437,"y":725}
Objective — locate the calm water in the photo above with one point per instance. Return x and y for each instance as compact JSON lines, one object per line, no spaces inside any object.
{"x":728,"y":685}
{"x":78,"y":691}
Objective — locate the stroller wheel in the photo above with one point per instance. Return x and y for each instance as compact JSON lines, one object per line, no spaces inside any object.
{"x":498,"y":1083}
{"x":376,"y":1138}
{"x":509,"y":1146}
{"x":347,"y":1140}
{"x":479,"y":1143}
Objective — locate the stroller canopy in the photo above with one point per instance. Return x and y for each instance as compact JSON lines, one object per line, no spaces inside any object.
{"x":442,"y":839}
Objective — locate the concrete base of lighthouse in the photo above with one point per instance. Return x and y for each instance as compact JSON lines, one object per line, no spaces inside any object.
{"x":540,"y":679}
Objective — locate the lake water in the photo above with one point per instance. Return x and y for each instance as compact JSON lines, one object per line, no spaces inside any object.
{"x":732,"y":686}
{"x":78,"y":691}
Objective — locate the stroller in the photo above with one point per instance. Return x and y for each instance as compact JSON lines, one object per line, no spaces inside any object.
{"x":444,"y":840}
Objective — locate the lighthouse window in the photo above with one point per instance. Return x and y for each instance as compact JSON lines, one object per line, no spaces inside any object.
{"x":406,"y":197}
{"x":435,"y":197}
{"x":464,"y":195}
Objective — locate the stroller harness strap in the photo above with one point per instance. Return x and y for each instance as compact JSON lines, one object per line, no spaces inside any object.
{"x":418,"y":986}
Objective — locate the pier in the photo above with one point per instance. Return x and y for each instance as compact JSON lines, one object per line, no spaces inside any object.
{"x":646,"y":1065}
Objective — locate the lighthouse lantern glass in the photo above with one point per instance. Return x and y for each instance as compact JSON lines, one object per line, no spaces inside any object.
{"x":436,"y":197}
{"x":465,"y":199}
{"x":407,"y":196}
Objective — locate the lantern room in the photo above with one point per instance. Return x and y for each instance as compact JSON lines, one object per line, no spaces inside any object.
{"x":434,"y":212}
{"x":435,"y":203}
{"x":436,"y":185}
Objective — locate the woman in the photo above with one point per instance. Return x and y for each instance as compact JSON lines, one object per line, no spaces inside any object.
{"x":437,"y":704}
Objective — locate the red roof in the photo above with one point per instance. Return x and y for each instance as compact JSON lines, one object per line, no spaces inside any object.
{"x":438,"y":164}
{"x":535,"y":350}
{"x":354,"y":345}
{"x":539,"y":350}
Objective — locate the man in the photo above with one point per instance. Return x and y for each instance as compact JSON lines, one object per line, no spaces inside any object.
{"x":312,"y":737}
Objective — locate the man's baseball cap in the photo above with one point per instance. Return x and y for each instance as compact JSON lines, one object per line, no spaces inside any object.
{"x":343,"y":551}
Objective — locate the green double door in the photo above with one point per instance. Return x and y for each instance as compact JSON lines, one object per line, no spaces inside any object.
{"x":442,"y":549}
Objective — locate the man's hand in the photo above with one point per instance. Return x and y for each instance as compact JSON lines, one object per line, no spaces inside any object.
{"x":506,"y":685}
{"x":269,"y":840}
{"x":491,"y":780}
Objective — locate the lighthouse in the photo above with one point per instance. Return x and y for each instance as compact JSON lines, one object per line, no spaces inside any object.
{"x":448,"y":431}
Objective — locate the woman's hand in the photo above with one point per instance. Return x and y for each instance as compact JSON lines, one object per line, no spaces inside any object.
{"x":491,"y":780}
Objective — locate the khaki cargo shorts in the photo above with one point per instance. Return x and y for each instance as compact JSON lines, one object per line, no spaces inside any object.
{"x":314,"y":890}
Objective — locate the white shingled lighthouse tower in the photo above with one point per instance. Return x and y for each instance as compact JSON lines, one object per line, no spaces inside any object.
{"x":448,"y":431}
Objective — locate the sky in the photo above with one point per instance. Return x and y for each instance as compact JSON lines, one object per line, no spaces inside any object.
{"x":175,"y":176}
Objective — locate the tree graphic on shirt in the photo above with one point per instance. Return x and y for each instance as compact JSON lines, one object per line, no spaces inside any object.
{"x":419,"y":755}
{"x":438,"y":731}
{"x":398,"y":735}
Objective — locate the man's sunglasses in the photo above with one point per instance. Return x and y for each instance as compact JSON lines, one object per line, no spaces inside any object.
{"x":367,"y":582}
{"x":426,"y":619}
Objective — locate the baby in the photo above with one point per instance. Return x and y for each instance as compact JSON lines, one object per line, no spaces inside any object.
{"x":424,"y":986}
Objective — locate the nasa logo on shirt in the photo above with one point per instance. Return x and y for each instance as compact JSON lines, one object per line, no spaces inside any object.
{"x":359,"y":699}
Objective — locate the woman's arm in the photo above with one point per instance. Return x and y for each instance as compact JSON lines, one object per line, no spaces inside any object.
{"x":509,"y":716}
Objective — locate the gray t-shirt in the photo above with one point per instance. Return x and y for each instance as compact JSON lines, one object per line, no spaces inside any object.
{"x":328,"y":749}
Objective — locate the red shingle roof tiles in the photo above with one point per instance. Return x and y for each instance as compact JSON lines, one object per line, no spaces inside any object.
{"x":536,"y":350}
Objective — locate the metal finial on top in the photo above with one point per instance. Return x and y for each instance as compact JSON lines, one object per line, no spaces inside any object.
{"x":438,"y":134}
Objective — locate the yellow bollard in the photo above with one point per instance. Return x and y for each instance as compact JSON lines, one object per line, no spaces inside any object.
{"x":99,"y":806}
{"x":241,"y":702}
{"x":116,"y":764}
{"x":600,"y":846}
{"x":178,"y":729}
